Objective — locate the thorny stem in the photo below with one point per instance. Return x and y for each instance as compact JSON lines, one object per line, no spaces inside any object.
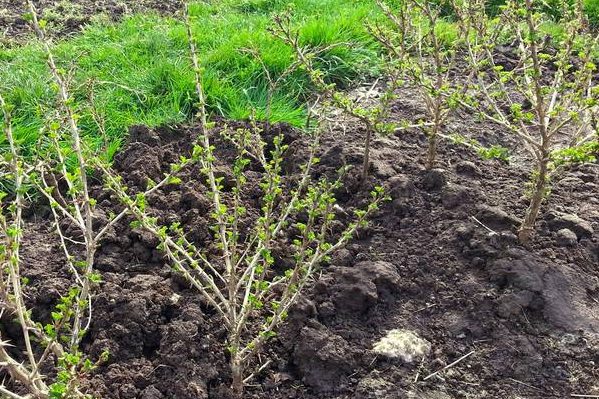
{"x":540,"y":181}
{"x":208,"y":168}
{"x":538,"y":193}
{"x":14,"y":235}
{"x":425,"y":60}
{"x":563,"y":101}
{"x":273,"y":84}
{"x":18,"y":372}
{"x":247,"y":278}
{"x":79,"y":210}
{"x":290,"y":294}
{"x":84,"y":297}
{"x":172,"y":247}
{"x":12,"y":395}
{"x":284,"y":32}
{"x":366,"y":160}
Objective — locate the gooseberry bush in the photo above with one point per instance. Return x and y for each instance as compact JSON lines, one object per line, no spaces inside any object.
{"x":373,"y":117}
{"x":236,"y":275}
{"x":547,"y":97}
{"x":51,"y":345}
{"x":423,"y":49}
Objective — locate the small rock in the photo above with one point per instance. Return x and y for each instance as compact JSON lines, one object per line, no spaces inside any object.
{"x":467,"y":168}
{"x":571,"y":183}
{"x":496,"y":218}
{"x":378,"y":388}
{"x":174,"y":299}
{"x":435,"y":179}
{"x":568,"y":339}
{"x":401,"y":186}
{"x":151,"y":392}
{"x":343,"y":258}
{"x":402,"y":344}
{"x":323,"y":359}
{"x":566,"y":238}
{"x":359,"y":288}
{"x":513,"y":303}
{"x":580,"y":227}
{"x":508,"y":238}
{"x":454,"y":196}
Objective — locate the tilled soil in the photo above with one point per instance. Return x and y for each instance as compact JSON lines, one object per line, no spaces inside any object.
{"x":65,"y":16}
{"x":441,"y":259}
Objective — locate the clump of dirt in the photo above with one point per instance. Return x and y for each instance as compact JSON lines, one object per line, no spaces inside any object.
{"x":440,"y":260}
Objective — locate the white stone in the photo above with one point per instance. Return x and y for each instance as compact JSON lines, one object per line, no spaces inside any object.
{"x":402,"y":344}
{"x":175,"y":298}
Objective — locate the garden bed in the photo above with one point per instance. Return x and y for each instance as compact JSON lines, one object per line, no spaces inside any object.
{"x":444,"y":293}
{"x":529,"y":315}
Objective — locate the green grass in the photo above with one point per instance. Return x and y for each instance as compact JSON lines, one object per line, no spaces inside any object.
{"x":591,"y":7}
{"x":139,"y":71}
{"x":549,"y":7}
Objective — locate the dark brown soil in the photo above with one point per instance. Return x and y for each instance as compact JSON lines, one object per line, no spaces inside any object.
{"x":531,"y":315}
{"x":66,"y":16}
